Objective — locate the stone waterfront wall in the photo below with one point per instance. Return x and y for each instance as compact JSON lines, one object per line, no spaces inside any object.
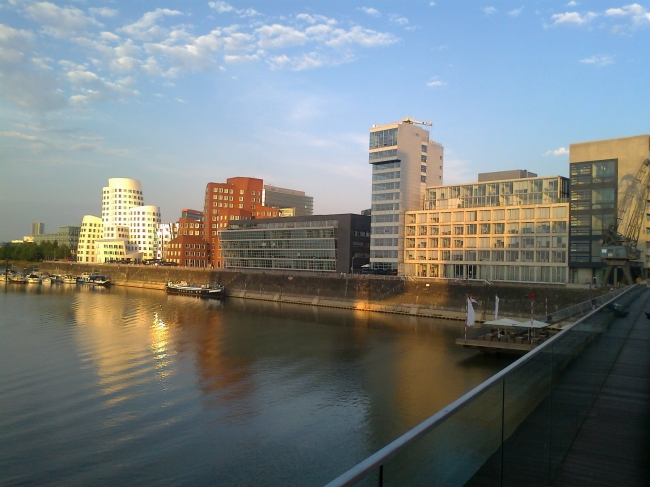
{"x":414,"y":297}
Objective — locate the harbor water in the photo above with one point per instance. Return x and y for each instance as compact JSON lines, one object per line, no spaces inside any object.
{"x":125,"y":386}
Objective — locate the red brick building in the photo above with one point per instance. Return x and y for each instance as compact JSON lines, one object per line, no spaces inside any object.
{"x":189,"y":248}
{"x":238,"y":198}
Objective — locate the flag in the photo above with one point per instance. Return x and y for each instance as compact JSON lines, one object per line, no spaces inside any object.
{"x":496,"y":307}
{"x":470,"y":312}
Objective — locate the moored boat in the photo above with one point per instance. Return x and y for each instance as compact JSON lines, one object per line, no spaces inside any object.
{"x":205,"y":291}
{"x":68,"y":279}
{"x":18,"y":279}
{"x":100,"y":280}
{"x":33,"y":278}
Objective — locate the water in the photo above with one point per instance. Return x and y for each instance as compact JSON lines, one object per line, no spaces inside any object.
{"x":127,"y":386}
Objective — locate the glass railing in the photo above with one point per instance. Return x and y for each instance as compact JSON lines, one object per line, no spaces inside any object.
{"x":516,"y":427}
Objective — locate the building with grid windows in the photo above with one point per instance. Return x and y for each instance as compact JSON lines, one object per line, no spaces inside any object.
{"x":329,"y":243}
{"x":287,"y":200}
{"x":600,"y":172}
{"x":404,"y":162}
{"x":495,"y":230}
{"x":91,"y":231}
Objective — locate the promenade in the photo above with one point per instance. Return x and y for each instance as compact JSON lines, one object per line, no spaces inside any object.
{"x":613,"y":446}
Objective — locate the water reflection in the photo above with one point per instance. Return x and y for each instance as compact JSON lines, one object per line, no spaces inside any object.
{"x":206,"y":392}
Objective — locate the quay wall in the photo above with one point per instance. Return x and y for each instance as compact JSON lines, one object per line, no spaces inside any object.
{"x":440,"y":299}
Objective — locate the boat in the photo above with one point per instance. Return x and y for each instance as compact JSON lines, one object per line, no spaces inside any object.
{"x":84,"y":278}
{"x":68,"y":279}
{"x":100,"y":280}
{"x":33,"y":278}
{"x":205,"y":291}
{"x":18,"y":279}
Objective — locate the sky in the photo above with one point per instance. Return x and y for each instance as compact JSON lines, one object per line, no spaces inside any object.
{"x":181,"y":93}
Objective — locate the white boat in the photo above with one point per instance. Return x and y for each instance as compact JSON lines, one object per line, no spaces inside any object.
{"x":18,"y":279}
{"x":68,"y":279}
{"x":33,"y":278}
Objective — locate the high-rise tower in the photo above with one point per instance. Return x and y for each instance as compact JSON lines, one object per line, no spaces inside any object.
{"x":404,"y":162}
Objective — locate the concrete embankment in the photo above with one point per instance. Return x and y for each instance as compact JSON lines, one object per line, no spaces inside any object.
{"x":436,"y":299}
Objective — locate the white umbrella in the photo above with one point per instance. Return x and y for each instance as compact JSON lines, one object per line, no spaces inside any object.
{"x":503,"y":322}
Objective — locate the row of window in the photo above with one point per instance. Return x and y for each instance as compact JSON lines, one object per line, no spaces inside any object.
{"x":540,"y":256}
{"x":312,"y":265}
{"x":486,"y":242}
{"x":383,"y":138}
{"x":487,"y":229}
{"x":487,"y":215}
{"x":385,"y":207}
{"x":490,"y":272}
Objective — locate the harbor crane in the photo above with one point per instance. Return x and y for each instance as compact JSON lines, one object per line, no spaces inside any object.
{"x":416,"y":122}
{"x":620,"y":238}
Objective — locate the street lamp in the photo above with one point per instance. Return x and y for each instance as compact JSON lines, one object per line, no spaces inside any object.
{"x":352,"y":266}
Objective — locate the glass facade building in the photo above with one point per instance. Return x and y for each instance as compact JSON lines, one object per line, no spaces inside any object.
{"x":514,"y":230}
{"x":330,"y":243}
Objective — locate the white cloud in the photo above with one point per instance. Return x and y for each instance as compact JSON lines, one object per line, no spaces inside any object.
{"x":221,"y":7}
{"x":557,"y":152}
{"x":278,"y":36}
{"x":489,"y":10}
{"x":92,"y":89}
{"x":598,"y":60}
{"x":572,"y":3}
{"x":146,"y":28}
{"x":516,"y":12}
{"x":432,"y":4}
{"x":17,"y":135}
{"x":225,"y":7}
{"x":635,"y":12}
{"x":103,"y":12}
{"x":59,"y":22}
{"x":436,"y":83}
{"x":398,"y":19}
{"x":370,"y":11}
{"x":573,"y":18}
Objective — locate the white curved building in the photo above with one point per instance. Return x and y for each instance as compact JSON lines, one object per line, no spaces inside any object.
{"x":128,"y":224}
{"x":143,"y":221}
{"x":91,"y":231}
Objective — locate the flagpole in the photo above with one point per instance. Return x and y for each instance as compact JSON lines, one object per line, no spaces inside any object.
{"x":466,"y":314}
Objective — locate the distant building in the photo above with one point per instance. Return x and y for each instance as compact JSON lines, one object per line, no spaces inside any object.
{"x":404,"y":162}
{"x":165,"y":232}
{"x":275,"y":197}
{"x":497,"y":230}
{"x":65,"y":236}
{"x":237,"y":199}
{"x":91,"y":231}
{"x":129,"y":226}
{"x":38,"y":228}
{"x":189,"y":247}
{"x":329,"y":243}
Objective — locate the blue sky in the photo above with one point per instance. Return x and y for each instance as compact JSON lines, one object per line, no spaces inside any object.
{"x":181,"y":93}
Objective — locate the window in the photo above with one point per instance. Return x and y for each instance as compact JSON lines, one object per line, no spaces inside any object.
{"x":485,"y":228}
{"x":470,"y":216}
{"x":512,"y":256}
{"x":528,"y":227}
{"x":603,"y":198}
{"x":434,"y":230}
{"x":512,"y":242}
{"x":513,"y":228}
{"x":383,"y":138}
{"x":559,"y":212}
{"x":458,"y":216}
{"x":484,"y":242}
{"x":471,"y":229}
{"x":543,"y":227}
{"x":528,"y":213}
{"x":513,"y":214}
{"x":484,"y":215}
{"x":483,"y":255}
{"x":543,"y":212}
{"x":458,"y":229}
{"x":499,"y":214}
{"x":446,"y":216}
{"x":559,"y":227}
{"x":499,"y":228}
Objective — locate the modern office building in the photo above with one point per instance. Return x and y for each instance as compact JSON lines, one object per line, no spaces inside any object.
{"x":165,"y":232}
{"x":129,"y":226}
{"x":495,"y":230}
{"x":404,"y":162}
{"x":600,"y":172}
{"x":284,"y":198}
{"x":237,"y":199}
{"x":65,"y":236}
{"x":91,"y":231}
{"x":38,"y":228}
{"x":329,"y":243}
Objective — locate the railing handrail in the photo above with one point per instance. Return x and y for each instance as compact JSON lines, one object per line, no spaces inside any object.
{"x":391,"y":450}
